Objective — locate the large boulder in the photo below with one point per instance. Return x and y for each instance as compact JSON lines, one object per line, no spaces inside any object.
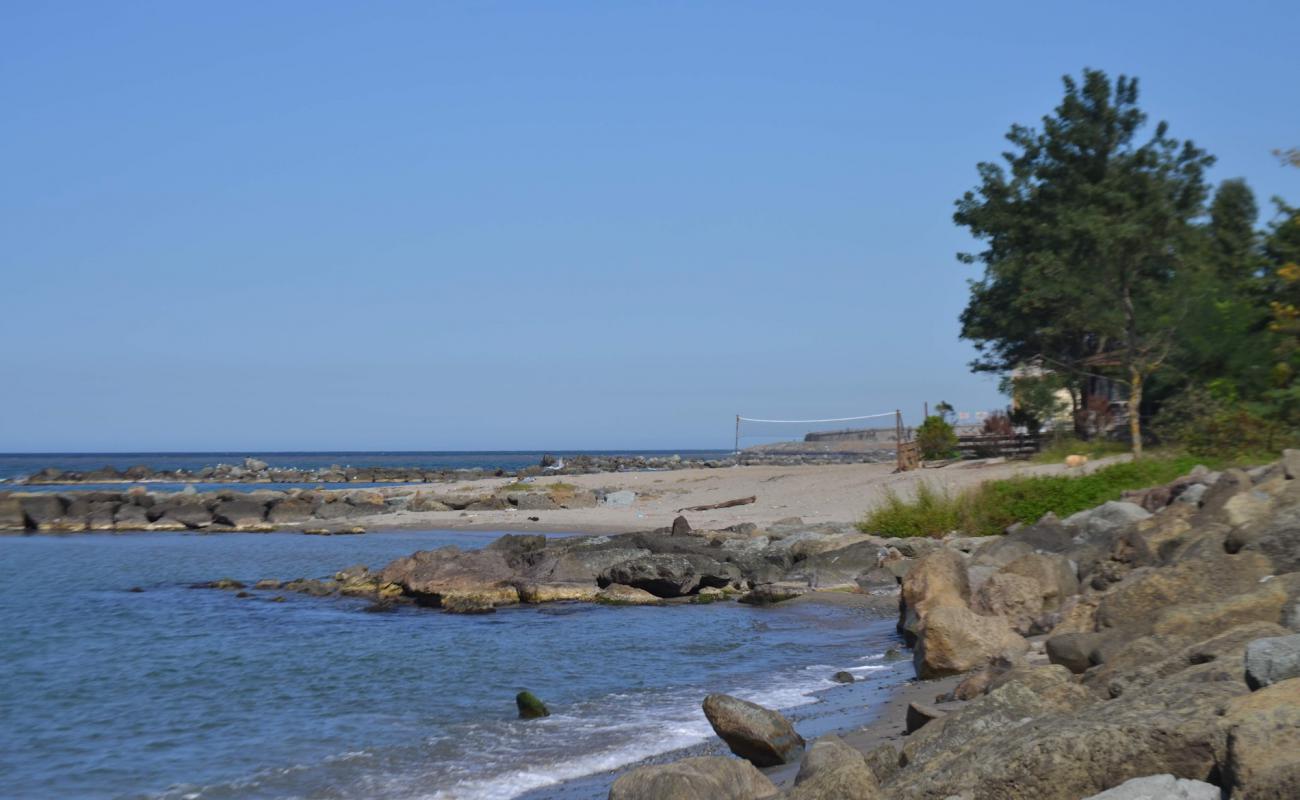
{"x":1161,"y":787}
{"x":618,"y":594}
{"x":998,"y":551}
{"x":1032,"y":693}
{"x":180,"y":511}
{"x":1029,"y":753}
{"x":936,"y":580}
{"x":671,"y":575}
{"x":290,"y":511}
{"x":1272,"y":660}
{"x":130,"y":517}
{"x":954,"y":639}
{"x":1135,"y":600}
{"x":839,"y":566}
{"x":709,"y":778}
{"x":575,"y":561}
{"x":12,"y":517}
{"x":1260,"y":756}
{"x":1149,"y":659}
{"x":1053,"y":574}
{"x":1204,"y":619}
{"x":1107,"y":518}
{"x":454,"y":579}
{"x":43,"y":512}
{"x":831,"y":770}
{"x":760,"y":735}
{"x":1015,"y":597}
{"x":240,"y":513}
{"x":1276,"y":536}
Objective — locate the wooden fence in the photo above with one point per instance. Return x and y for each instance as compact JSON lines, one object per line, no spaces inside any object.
{"x":1020,"y":445}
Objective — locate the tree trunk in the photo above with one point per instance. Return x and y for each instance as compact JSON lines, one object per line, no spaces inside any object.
{"x":1134,"y":411}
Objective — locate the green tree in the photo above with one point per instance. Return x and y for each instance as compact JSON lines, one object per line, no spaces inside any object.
{"x":1087,"y":229}
{"x":936,"y":438}
{"x":1282,"y":250}
{"x":1234,"y":243}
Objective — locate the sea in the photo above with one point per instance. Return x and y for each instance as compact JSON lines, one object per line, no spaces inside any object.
{"x":120,"y":680}
{"x":18,"y":465}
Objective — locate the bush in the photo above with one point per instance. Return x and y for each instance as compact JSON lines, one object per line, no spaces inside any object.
{"x":1214,"y":426}
{"x":990,"y":508}
{"x":936,"y":438}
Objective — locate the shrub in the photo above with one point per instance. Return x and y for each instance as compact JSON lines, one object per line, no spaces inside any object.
{"x":936,"y":438}
{"x":990,"y":508}
{"x":998,"y":424}
{"x":1219,"y":427}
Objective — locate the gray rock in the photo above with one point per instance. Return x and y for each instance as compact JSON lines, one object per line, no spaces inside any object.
{"x":710,"y":778}
{"x":1160,"y":787}
{"x":532,"y":501}
{"x":919,"y":715}
{"x":843,"y":677}
{"x":240,"y":513}
{"x":1192,"y":495}
{"x":669,"y":575}
{"x":619,"y":499}
{"x":1106,"y":518}
{"x":43,"y":512}
{"x":1291,"y":464}
{"x":289,"y":512}
{"x":832,"y":770}
{"x":752,"y":732}
{"x":130,"y":517}
{"x":12,"y":517}
{"x":1270,"y":661}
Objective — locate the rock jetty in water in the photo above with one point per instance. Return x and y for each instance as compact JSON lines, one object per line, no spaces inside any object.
{"x":252,"y":470}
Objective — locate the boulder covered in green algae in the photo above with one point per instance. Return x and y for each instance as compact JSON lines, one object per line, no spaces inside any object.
{"x":530,"y":707}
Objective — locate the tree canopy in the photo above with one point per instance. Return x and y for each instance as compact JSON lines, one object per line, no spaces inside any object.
{"x":1090,"y":240}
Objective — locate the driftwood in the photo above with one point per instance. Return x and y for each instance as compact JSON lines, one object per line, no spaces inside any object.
{"x":744,"y":501}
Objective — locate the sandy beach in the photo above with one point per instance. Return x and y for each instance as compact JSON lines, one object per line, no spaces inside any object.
{"x":833,"y":493}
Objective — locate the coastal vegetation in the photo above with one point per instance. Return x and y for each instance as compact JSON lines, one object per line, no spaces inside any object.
{"x":990,"y":508}
{"x":1112,"y":268}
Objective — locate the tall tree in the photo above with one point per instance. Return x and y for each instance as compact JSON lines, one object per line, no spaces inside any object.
{"x":1282,"y":249}
{"x":1086,"y":231}
{"x":1234,"y":244}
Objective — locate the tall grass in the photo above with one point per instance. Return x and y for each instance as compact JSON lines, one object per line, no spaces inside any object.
{"x":988,"y":509}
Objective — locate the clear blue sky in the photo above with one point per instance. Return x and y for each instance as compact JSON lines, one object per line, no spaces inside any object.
{"x":422,"y":225}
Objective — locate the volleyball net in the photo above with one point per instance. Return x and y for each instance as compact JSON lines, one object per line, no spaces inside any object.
{"x":844,"y":437}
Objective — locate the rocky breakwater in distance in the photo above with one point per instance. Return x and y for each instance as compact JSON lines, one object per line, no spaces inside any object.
{"x":252,"y":470}
{"x":670,"y":564}
{"x":261,"y":510}
{"x":1142,"y":649}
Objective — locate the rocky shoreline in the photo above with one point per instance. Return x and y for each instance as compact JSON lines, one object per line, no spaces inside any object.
{"x":252,"y":470}
{"x":1144,"y":648}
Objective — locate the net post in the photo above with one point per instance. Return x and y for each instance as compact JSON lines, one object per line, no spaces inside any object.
{"x":898,"y":437}
{"x":737,"y":450}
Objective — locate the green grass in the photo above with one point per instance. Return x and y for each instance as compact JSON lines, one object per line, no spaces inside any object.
{"x":1056,"y":449}
{"x":990,"y":508}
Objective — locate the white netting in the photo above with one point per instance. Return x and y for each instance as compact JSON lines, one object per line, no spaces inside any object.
{"x":854,"y":438}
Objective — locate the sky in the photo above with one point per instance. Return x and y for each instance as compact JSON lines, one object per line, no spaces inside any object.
{"x":516,"y":225}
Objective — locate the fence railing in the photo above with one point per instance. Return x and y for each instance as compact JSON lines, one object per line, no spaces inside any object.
{"x":1018,"y":445}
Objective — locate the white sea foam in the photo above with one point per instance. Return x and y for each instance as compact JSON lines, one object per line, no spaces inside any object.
{"x":676,"y":724}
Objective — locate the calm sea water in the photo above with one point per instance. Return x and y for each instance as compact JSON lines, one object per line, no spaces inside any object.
{"x":17,"y":464}
{"x":188,"y":693}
